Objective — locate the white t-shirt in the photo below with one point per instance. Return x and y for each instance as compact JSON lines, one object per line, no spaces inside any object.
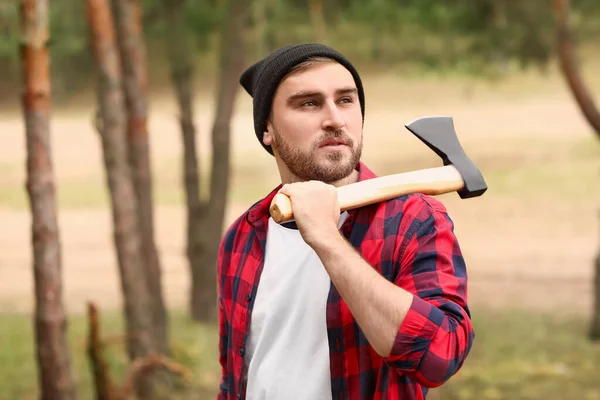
{"x":288,"y":351}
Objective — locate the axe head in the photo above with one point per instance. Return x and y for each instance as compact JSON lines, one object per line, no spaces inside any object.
{"x":439,"y":135}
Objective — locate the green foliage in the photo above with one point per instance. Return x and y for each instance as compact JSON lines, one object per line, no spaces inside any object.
{"x":475,"y":37}
{"x":9,"y":26}
{"x":203,"y":19}
{"x":68,"y":47}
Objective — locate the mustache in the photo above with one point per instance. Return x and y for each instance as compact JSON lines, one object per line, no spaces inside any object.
{"x":338,"y":134}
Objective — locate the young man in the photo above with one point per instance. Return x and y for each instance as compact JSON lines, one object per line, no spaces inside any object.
{"x":365,"y":304}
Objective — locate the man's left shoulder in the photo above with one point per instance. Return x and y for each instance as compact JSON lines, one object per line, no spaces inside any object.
{"x":416,"y":205}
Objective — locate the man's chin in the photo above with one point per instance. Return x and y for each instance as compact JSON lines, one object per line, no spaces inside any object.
{"x":333,"y":171}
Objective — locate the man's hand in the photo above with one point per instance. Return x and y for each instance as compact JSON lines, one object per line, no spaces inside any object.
{"x":378,"y":306}
{"x":316,"y":210}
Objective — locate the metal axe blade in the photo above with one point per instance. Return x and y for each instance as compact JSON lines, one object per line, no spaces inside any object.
{"x":438,"y":133}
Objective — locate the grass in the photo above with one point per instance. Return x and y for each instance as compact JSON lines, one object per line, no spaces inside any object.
{"x":194,"y":346}
{"x":517,"y":355}
{"x":546,"y":169}
{"x":520,"y":355}
{"x":524,"y":168}
{"x":529,"y":168}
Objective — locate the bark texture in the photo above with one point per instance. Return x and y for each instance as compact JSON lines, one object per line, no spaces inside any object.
{"x":112,"y":127}
{"x":132,"y":53}
{"x":53,"y":356}
{"x":570,"y":68}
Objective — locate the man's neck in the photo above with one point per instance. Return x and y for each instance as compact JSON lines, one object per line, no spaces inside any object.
{"x":352,"y":178}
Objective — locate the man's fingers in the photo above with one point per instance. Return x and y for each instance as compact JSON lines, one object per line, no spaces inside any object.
{"x":291,"y":189}
{"x":286,"y":189}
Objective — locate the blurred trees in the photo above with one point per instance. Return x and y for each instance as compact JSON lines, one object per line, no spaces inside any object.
{"x":53,"y":356}
{"x":205,"y":218}
{"x":145,"y":334}
{"x":182,"y":63}
{"x":132,"y":54}
{"x":567,"y":56}
{"x":570,"y":68}
{"x":486,"y":36}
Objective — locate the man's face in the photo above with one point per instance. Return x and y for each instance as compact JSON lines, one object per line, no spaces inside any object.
{"x":316,"y":124}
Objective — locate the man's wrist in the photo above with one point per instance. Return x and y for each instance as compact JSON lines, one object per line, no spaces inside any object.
{"x":329,"y":243}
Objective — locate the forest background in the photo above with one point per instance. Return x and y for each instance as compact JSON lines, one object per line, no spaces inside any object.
{"x":110,"y":227}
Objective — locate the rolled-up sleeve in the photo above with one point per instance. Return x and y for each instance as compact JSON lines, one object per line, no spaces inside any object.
{"x":223,"y":340}
{"x":436,"y":334}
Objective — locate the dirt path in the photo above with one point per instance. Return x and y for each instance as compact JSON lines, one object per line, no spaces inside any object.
{"x":519,"y":254}
{"x":536,"y":256}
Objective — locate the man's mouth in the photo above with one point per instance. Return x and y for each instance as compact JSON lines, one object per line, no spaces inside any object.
{"x":333,"y":143}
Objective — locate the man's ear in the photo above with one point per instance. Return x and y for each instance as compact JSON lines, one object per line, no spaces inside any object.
{"x":268,"y":133}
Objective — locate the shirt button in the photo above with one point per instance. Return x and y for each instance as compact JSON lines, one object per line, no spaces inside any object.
{"x":249,"y":296}
{"x":239,"y":396}
{"x":242,"y":351}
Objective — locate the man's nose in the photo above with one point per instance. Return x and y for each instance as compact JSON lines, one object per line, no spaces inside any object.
{"x":333,"y":119}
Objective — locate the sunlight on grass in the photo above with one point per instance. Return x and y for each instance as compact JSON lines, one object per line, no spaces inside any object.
{"x":194,"y":346}
{"x":517,"y":355}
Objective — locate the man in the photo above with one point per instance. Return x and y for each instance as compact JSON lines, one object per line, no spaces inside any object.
{"x":365,"y":304}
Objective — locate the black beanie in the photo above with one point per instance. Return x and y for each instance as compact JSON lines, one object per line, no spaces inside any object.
{"x":262,"y":79}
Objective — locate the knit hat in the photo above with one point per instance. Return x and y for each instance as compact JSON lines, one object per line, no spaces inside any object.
{"x":262,"y":79}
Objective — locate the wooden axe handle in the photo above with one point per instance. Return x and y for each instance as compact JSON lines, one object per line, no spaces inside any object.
{"x":432,"y":181}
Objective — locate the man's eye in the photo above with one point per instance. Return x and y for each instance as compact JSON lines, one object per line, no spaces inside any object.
{"x":309,"y":103}
{"x":346,"y":99}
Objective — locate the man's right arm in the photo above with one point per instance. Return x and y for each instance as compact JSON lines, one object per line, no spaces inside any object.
{"x":223,"y":329}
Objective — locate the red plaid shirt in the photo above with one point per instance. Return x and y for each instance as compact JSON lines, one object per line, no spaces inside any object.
{"x":408,"y":240}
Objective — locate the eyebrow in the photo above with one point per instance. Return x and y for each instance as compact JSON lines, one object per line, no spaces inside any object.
{"x":311,"y":93}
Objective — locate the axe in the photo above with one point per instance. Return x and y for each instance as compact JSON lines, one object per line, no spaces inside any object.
{"x":459,"y":174}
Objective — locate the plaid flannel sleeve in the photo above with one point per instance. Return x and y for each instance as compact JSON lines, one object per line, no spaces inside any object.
{"x":436,"y":334}
{"x":223,"y":330}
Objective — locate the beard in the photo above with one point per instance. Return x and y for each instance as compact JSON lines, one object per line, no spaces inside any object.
{"x":313,"y":164}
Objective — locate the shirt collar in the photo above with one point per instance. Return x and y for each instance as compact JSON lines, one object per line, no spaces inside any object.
{"x":259,"y":212}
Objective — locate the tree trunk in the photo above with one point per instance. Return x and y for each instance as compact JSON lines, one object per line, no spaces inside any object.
{"x":54,"y":360}
{"x":182,"y":77}
{"x":133,"y":60}
{"x":570,"y":68}
{"x":113,"y":132}
{"x":378,"y":32}
{"x":259,"y":23}
{"x":203,"y":300}
{"x":500,"y":27}
{"x":318,"y":21}
{"x":103,"y":384}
